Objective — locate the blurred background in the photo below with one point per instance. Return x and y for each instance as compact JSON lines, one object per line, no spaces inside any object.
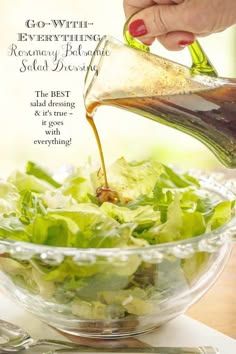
{"x":122,"y":133}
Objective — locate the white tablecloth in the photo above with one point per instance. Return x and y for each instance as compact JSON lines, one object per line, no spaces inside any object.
{"x":182,"y":331}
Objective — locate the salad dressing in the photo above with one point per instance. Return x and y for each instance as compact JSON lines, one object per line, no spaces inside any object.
{"x":208,"y":115}
{"x":103,"y":193}
{"x":194,"y":101}
{"x":99,"y":145}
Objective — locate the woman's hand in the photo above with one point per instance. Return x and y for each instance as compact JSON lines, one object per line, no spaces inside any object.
{"x":176,"y":23}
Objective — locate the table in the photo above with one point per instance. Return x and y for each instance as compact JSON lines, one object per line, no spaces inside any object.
{"x":183,"y":331}
{"x":217,"y":308}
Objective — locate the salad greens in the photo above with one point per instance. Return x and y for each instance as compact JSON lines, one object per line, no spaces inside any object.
{"x":156,"y":205}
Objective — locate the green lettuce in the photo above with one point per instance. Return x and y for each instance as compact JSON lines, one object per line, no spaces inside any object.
{"x":221,"y":214}
{"x":39,"y":172}
{"x":24,"y":182}
{"x":130,"y":179}
{"x":12,"y":228}
{"x":143,"y":216}
{"x":155,"y":205}
{"x":9,"y":197}
{"x":78,"y":185}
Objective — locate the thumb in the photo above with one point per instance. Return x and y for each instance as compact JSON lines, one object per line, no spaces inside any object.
{"x":159,"y":20}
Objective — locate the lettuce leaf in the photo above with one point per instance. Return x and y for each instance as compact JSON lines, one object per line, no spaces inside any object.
{"x":49,"y":231}
{"x":156,"y":205}
{"x":35,"y":170}
{"x":12,"y":228}
{"x":222,"y":213}
{"x":143,"y":216}
{"x":24,"y":182}
{"x":30,"y":205}
{"x":9,"y":197}
{"x":180,"y":224}
{"x":78,"y":186}
{"x":130,"y":179}
{"x":94,"y":229}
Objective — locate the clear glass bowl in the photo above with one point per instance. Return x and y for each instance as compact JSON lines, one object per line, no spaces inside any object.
{"x":133,"y":290}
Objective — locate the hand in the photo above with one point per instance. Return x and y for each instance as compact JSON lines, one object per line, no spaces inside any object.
{"x":176,"y":23}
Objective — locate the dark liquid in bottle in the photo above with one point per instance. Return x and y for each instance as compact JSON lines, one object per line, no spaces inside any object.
{"x":208,"y":115}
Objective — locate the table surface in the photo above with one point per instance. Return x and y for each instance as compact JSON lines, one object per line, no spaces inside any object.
{"x":217,"y":308}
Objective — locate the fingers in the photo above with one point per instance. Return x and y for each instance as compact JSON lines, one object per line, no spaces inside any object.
{"x":167,"y":23}
{"x":149,"y":41}
{"x":132,"y":6}
{"x":172,"y":40}
{"x":176,"y":40}
{"x":175,"y":22}
{"x":157,"y":20}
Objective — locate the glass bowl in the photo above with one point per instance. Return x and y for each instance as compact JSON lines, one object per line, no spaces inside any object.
{"x":125,"y":291}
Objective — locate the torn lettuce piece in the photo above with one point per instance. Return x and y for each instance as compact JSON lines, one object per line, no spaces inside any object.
{"x":68,"y":270}
{"x":168,"y":183}
{"x":9,"y":197}
{"x":30,"y":205}
{"x":165,"y":207}
{"x":20,"y":274}
{"x":35,"y":170}
{"x":95,"y":229}
{"x":57,"y":200}
{"x":94,"y":310}
{"x":130,"y":179}
{"x":24,"y":182}
{"x":143,"y":216}
{"x":179,"y":225}
{"x":171,"y":230}
{"x":12,"y":228}
{"x":171,"y":179}
{"x":157,"y":205}
{"x":113,"y":304}
{"x":45,"y":288}
{"x":134,"y":300}
{"x":193,"y":266}
{"x":193,"y":224}
{"x":168,"y":231}
{"x":222,"y":213}
{"x":101,"y":282}
{"x":50,"y":231}
{"x":82,"y":225}
{"x":78,"y":186}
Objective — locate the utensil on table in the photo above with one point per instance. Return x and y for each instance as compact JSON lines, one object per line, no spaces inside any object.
{"x":15,"y":339}
{"x":154,"y":350}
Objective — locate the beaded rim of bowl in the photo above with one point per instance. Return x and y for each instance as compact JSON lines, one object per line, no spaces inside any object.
{"x":208,"y":242}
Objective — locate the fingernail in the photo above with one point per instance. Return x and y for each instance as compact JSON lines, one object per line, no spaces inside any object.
{"x":184,"y":43}
{"x":137,"y":28}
